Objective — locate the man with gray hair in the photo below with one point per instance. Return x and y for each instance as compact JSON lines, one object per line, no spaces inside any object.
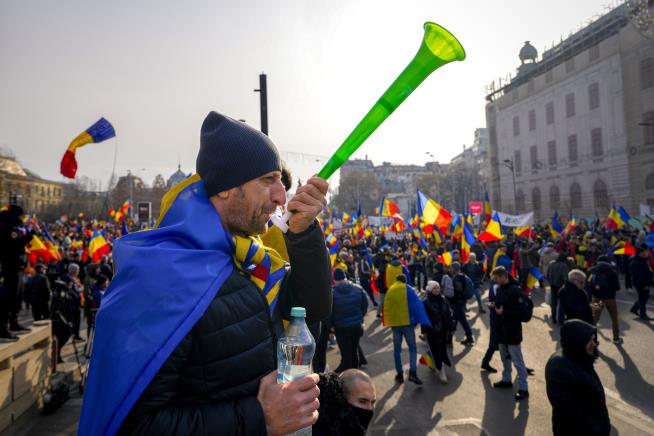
{"x":573,"y":298}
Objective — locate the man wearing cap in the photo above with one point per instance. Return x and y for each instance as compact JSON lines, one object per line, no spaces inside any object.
{"x":186,"y":335}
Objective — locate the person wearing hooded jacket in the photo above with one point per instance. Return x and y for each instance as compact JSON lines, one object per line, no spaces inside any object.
{"x":557,"y":274}
{"x":642,"y":279}
{"x":604,"y":285}
{"x":573,"y":387}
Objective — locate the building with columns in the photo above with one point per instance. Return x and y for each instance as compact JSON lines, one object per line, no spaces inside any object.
{"x":20,"y":186}
{"x":575,"y":128}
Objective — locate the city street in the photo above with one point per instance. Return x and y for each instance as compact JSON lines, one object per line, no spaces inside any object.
{"x":468,"y":404}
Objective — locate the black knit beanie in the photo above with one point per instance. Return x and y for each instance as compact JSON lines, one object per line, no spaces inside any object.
{"x":232,"y":153}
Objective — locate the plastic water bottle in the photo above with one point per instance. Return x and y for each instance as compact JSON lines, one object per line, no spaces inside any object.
{"x":295,"y":351}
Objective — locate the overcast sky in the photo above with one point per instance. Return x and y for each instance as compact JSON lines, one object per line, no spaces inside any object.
{"x":155,"y":69}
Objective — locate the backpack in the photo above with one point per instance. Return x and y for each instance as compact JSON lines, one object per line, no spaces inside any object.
{"x":527,"y":307}
{"x":599,"y":284}
{"x":459,"y":285}
{"x":470,"y":288}
{"x":447,"y":286}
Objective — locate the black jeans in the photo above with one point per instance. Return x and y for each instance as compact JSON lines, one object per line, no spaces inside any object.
{"x":365,"y":284}
{"x":493,"y":346}
{"x":557,"y":311}
{"x":320,"y":358}
{"x":348,"y":344}
{"x":641,"y":301}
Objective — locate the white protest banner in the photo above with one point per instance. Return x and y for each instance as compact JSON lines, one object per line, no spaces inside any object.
{"x":507,"y":220}
{"x":647,"y":211}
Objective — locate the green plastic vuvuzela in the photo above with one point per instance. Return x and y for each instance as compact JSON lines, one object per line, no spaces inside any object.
{"x":438,"y":48}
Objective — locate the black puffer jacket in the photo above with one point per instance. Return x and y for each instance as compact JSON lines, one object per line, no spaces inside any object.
{"x":573,"y":387}
{"x":209,"y":383}
{"x":641,"y":274}
{"x":574,"y":302}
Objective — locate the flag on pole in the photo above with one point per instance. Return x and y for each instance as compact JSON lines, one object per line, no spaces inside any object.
{"x":433,"y":213}
{"x":98,"y":132}
{"x":493,"y":231}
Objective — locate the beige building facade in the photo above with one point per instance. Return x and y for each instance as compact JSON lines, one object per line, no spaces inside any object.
{"x":19,"y":185}
{"x":576,"y":127}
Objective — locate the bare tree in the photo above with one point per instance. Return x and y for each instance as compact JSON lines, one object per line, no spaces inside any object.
{"x":357,"y":188}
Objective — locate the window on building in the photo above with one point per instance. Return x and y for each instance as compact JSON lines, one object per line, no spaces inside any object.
{"x":549,"y":113}
{"x":535,"y":199}
{"x":555,"y":197}
{"x":570,"y":105}
{"x":593,"y":96}
{"x":42,"y":190}
{"x":548,"y":76}
{"x":596,"y":142}
{"x":516,"y":125}
{"x":649,"y":182}
{"x":594,"y":52}
{"x":600,"y":195}
{"x":575,"y":196}
{"x":573,"y":154}
{"x":532,"y":120}
{"x":648,"y":127}
{"x":647,"y":73}
{"x":517,"y":161}
{"x":533,"y":157}
{"x":520,"y":201}
{"x":551,"y":153}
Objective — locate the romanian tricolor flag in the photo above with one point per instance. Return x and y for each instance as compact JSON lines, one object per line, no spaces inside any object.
{"x":346,"y":218}
{"x":98,"y":132}
{"x":570,"y":226}
{"x":487,"y":210}
{"x":466,"y":241}
{"x":502,"y":259}
{"x":555,"y":227}
{"x":388,"y":208}
{"x":625,"y":248}
{"x":433,"y":213}
{"x":525,"y":232}
{"x":51,"y":245}
{"x":98,"y":246}
{"x":493,"y":231}
{"x":427,"y":360}
{"x":36,"y":249}
{"x":534,"y":278}
{"x":402,"y":307}
{"x":614,"y":221}
{"x":446,"y":258}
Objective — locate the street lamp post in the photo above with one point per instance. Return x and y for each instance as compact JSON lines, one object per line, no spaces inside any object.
{"x":509,"y":164}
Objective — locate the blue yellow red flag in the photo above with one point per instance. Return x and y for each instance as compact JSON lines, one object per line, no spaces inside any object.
{"x":98,"y":132}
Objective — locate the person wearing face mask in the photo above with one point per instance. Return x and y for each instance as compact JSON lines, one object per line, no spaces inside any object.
{"x":573,"y":387}
{"x":347,"y":403}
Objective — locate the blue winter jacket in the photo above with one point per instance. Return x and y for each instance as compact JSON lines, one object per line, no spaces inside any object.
{"x":349,"y":305}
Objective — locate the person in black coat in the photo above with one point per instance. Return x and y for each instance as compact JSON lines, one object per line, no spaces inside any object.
{"x":222,"y":378}
{"x":40,"y":294}
{"x":604,"y":285}
{"x":440,"y":314}
{"x":13,"y":240}
{"x":509,"y":307}
{"x":573,"y":387}
{"x":642,"y":279}
{"x":573,"y":297}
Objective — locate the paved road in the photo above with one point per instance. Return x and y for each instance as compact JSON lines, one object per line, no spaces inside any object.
{"x":468,"y":404}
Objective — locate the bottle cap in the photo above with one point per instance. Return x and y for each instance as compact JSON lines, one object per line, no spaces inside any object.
{"x":298,"y":312}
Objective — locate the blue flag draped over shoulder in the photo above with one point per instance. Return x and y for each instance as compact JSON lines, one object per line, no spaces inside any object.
{"x":165,"y":280}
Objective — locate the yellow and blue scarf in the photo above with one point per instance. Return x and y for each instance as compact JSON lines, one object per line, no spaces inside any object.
{"x":165,"y":280}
